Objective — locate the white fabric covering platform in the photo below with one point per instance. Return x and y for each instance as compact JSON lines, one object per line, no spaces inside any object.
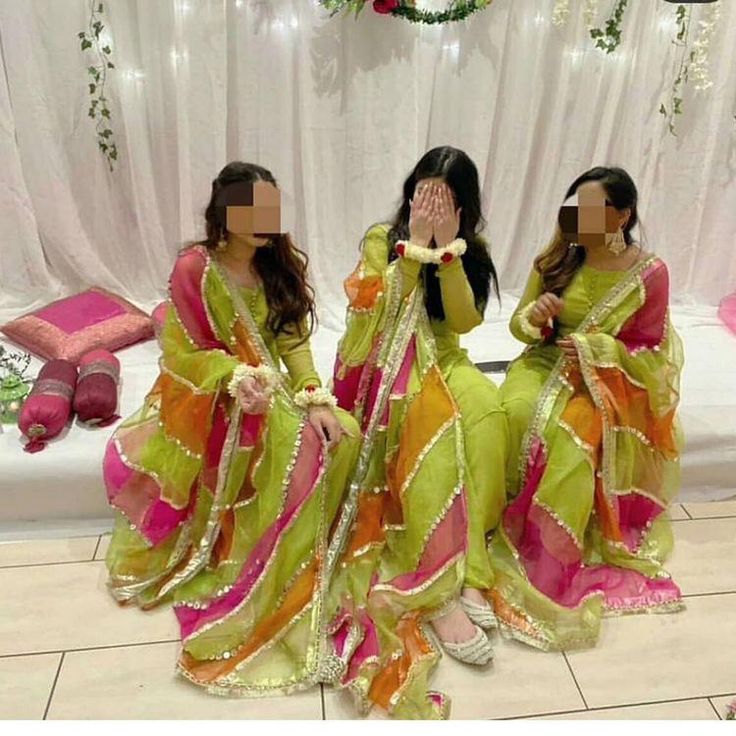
{"x":60,"y":491}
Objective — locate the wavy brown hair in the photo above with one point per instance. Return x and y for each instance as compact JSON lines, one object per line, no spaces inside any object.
{"x":281,"y":266}
{"x":559,"y":262}
{"x":461,"y":175}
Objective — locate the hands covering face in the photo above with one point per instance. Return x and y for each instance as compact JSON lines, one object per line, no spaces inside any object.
{"x":433,"y":215}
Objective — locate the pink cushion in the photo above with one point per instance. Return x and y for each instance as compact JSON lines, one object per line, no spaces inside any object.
{"x":69,"y":328}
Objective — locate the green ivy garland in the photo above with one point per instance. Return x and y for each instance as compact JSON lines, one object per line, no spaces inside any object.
{"x":98,"y":109}
{"x":674,"y":105}
{"x":457,"y":10}
{"x":609,"y":38}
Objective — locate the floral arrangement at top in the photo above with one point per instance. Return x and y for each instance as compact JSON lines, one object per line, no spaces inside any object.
{"x":406,"y":9}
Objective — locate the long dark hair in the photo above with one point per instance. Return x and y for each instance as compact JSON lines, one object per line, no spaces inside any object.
{"x":281,"y":266}
{"x":461,"y":175}
{"x":559,"y":262}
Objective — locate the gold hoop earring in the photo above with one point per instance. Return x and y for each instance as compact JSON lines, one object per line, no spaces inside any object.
{"x":618,"y":245}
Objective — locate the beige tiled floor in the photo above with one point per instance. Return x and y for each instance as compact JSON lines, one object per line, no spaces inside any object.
{"x":67,"y":651}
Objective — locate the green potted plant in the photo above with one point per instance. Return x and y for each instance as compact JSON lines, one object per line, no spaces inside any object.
{"x":14,"y":386}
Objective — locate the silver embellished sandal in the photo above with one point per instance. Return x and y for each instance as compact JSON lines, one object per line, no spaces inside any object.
{"x":482,"y":616}
{"x":477,"y":650}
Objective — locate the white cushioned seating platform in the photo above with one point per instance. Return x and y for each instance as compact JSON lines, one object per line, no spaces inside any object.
{"x":61,"y":488}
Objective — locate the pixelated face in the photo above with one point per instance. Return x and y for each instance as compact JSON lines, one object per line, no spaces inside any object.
{"x":588,"y":218}
{"x":253,"y":211}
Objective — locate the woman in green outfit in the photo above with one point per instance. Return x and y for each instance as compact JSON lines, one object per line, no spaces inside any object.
{"x":226,"y":482}
{"x":430,"y":480}
{"x":594,"y":438}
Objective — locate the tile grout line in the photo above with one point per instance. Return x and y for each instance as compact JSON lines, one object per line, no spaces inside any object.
{"x":713,"y":705}
{"x":708,"y":595}
{"x":322,"y":698}
{"x":89,"y":649}
{"x":575,"y":680}
{"x":99,"y":542}
{"x":48,"y":564}
{"x":53,"y":686}
{"x":603,"y":708}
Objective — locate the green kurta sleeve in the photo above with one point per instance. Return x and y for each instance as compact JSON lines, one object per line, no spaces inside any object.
{"x":532,"y":292}
{"x":296,"y":353}
{"x":458,"y":299}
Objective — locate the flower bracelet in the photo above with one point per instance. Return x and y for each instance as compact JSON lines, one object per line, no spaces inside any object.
{"x":261,"y":373}
{"x":314,"y":396}
{"x":531,"y":330}
{"x":453,"y":250}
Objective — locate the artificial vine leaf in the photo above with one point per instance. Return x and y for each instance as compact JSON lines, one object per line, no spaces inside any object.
{"x":98,"y":110}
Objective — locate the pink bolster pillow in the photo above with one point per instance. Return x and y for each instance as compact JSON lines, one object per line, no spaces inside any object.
{"x":96,"y":398}
{"x":48,"y":407}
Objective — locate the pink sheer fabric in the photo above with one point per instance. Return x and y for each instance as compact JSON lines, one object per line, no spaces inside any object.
{"x":727,"y":312}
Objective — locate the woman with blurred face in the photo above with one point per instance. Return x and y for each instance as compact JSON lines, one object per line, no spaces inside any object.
{"x":594,"y":439}
{"x":227,"y":482}
{"x":430,"y":481}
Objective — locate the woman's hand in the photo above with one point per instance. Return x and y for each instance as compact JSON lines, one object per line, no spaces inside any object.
{"x":327,"y":425}
{"x":547,"y":307}
{"x":253,"y":396}
{"x":420,"y":217}
{"x":445,"y":218}
{"x":570,"y":351}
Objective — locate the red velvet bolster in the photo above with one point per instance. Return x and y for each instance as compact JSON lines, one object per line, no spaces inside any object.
{"x":48,"y":407}
{"x":96,"y":398}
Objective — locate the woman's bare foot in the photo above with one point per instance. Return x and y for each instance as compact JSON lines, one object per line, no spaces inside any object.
{"x":454,"y":627}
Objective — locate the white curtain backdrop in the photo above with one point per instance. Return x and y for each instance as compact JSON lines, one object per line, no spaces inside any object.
{"x":340,"y":110}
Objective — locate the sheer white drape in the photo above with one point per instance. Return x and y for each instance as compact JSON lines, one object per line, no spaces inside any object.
{"x":340,"y":111}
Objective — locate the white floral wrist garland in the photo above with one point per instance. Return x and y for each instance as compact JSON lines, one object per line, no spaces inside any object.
{"x":316,"y":396}
{"x":453,"y":250}
{"x":261,"y":372}
{"x":525,"y":323}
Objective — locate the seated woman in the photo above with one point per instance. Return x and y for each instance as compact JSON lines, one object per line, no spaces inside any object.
{"x":227,"y":481}
{"x":430,"y":478}
{"x":594,"y":436}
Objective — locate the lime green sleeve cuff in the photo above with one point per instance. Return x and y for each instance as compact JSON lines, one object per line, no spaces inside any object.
{"x":409,"y":274}
{"x":532,"y":292}
{"x":458,"y":300}
{"x":296,"y":353}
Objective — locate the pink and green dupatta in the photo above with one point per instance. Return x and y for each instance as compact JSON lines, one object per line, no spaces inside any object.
{"x":406,"y":516}
{"x":224,"y":514}
{"x":588,"y":533}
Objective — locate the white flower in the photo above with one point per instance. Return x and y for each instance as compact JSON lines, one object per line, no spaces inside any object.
{"x":561,"y":12}
{"x":590,"y":12}
{"x":700,"y":65}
